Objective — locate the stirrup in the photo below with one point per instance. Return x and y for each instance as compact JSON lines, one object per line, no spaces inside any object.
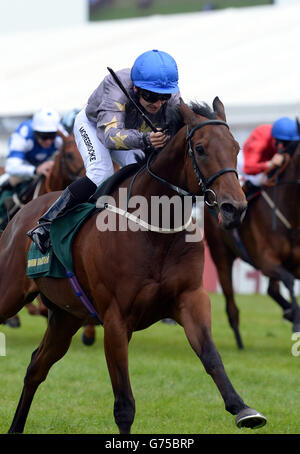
{"x":40,"y":224}
{"x":40,"y":239}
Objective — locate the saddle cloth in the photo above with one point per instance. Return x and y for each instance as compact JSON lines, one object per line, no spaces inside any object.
{"x":64,"y":229}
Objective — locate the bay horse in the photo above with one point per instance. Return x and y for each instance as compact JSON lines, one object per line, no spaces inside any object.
{"x":135,"y":277}
{"x":270,"y":241}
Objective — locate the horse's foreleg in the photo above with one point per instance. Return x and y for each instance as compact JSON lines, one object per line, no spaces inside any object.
{"x":116,"y":338}
{"x":274,"y":292}
{"x":225,"y":278}
{"x":195,"y":316}
{"x":223,"y":259}
{"x":291,"y":310}
{"x":89,"y":335}
{"x":61,"y":327}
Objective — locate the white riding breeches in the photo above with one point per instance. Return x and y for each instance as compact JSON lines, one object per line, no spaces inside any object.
{"x":97,"y":159}
{"x":257,"y":180}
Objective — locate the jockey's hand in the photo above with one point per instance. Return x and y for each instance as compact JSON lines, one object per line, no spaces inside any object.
{"x":44,"y":168}
{"x":276,"y":161}
{"x":158,"y":139}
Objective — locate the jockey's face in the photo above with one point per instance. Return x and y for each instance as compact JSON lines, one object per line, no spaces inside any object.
{"x":281,"y":145}
{"x":44,"y":139}
{"x":152,"y":102}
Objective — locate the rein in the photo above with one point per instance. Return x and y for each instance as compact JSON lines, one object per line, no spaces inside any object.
{"x":203,"y":182}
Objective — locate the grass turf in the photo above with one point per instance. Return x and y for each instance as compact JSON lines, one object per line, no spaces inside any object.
{"x":173,"y":393}
{"x":121,"y":9}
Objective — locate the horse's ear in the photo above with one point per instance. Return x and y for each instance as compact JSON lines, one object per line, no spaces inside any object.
{"x":218,"y":107}
{"x":186,"y":112}
{"x":61,"y":134}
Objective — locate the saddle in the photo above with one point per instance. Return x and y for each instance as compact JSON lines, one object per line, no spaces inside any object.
{"x":111,"y":183}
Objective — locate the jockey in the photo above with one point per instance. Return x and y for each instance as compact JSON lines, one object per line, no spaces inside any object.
{"x":31,"y":147}
{"x":109,"y":128}
{"x":264,"y":148}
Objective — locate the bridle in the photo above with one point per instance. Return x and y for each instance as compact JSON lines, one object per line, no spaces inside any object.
{"x":202,"y":181}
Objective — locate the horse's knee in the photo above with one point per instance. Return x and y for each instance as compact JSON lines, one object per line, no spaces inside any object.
{"x":35,"y":373}
{"x":288,"y":280}
{"x":232,"y":313}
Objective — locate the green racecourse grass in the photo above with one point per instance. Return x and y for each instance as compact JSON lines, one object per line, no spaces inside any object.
{"x":173,"y":393}
{"x":122,"y":9}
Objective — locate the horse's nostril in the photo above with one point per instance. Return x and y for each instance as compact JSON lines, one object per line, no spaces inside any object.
{"x":231,"y":209}
{"x":228,"y":208}
{"x":232,"y":215}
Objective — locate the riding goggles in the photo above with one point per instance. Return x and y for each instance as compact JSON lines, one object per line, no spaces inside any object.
{"x":45,"y":135}
{"x":152,"y":97}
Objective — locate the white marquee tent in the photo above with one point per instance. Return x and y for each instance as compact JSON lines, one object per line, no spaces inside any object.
{"x":249,"y":57}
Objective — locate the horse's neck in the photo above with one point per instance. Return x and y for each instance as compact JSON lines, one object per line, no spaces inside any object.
{"x":168,"y":165}
{"x":56,"y":182}
{"x":287,"y":193}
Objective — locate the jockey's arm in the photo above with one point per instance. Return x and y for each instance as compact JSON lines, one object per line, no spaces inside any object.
{"x":258,"y":150}
{"x":16,"y":166}
{"x":276,"y":161}
{"x":16,"y":163}
{"x":111,"y":129}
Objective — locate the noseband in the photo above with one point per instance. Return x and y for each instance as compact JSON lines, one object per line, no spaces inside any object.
{"x":203,"y":182}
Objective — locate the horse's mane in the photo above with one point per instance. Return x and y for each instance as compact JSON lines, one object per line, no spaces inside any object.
{"x":174,"y":119}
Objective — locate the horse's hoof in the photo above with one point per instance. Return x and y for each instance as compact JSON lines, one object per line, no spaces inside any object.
{"x":169,"y":321}
{"x":250,"y":419}
{"x":296,"y":328}
{"x":87,"y":340}
{"x":13,"y":322}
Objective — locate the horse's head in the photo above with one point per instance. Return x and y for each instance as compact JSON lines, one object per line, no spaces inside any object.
{"x":289,"y":171}
{"x":210,"y":163}
{"x":72,"y":165}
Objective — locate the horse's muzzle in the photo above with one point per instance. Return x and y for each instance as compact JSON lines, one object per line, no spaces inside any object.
{"x":232,"y":214}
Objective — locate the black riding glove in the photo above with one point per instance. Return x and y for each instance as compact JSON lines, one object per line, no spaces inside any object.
{"x":148,"y":147}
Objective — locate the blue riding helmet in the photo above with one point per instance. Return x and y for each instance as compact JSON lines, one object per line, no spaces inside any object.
{"x":286,"y":129}
{"x":155,"y":71}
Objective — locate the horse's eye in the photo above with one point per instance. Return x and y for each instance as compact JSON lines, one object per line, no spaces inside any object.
{"x":69,"y":155}
{"x":199,"y":149}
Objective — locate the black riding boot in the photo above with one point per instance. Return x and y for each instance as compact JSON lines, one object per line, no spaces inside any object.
{"x":78,"y":192}
{"x":250,"y":188}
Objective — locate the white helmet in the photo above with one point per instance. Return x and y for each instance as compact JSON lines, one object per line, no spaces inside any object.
{"x":45,"y":120}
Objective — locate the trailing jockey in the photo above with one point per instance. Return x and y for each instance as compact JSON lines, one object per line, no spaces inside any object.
{"x":264,"y":150}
